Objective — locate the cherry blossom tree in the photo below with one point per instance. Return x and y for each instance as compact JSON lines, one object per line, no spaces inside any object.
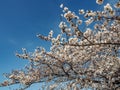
{"x":77,"y":59}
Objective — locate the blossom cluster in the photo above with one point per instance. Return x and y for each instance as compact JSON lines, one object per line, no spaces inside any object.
{"x":88,"y":58}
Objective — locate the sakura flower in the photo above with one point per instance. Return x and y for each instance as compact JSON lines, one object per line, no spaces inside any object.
{"x":107,"y":7}
{"x":79,"y":22}
{"x":99,"y":1}
{"x":50,"y":34}
{"x":117,"y":5}
{"x":65,"y":9}
{"x":89,"y":21}
{"x":81,"y":11}
{"x":69,"y":15}
{"x":88,"y":32}
{"x":92,"y":14}
{"x":61,"y":6}
{"x":62,"y":25}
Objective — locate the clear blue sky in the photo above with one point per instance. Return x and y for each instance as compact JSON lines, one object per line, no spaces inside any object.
{"x":21,"y":20}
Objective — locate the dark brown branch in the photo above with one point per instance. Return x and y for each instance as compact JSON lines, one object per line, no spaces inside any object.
{"x":117,"y":44}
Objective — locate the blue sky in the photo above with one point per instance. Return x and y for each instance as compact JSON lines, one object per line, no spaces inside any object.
{"x":21,"y":20}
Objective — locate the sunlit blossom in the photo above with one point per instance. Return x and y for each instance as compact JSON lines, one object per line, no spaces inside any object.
{"x":99,"y":1}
